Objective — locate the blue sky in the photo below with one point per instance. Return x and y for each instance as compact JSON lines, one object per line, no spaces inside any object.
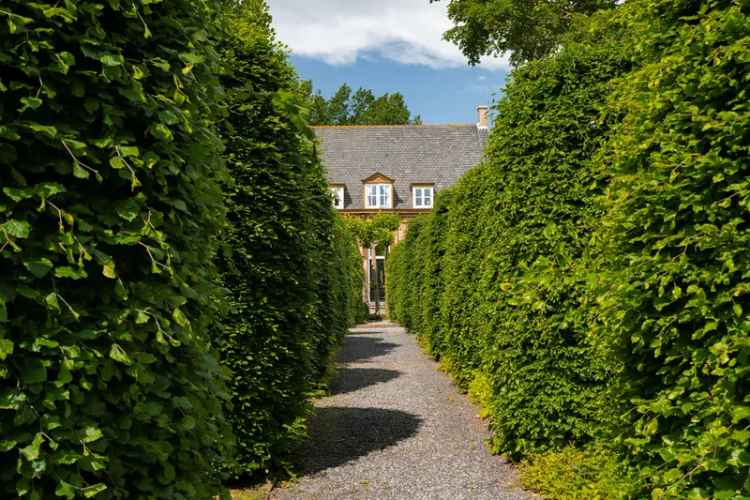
{"x":387,"y":46}
{"x":438,"y":95}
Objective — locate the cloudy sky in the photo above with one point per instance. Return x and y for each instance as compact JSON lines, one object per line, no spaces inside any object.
{"x":389,"y":46}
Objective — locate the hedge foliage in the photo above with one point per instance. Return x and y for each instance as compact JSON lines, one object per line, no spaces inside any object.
{"x":595,"y":265}
{"x":109,"y":212}
{"x":292,"y":266}
{"x":508,"y":243}
{"x":677,"y":267}
{"x":129,"y":253}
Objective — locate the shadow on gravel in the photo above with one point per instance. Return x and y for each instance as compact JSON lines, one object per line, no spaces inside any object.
{"x":340,"y":435}
{"x":353,"y":379}
{"x":358,"y":348}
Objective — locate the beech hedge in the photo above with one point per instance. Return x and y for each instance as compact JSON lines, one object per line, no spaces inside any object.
{"x":292,"y":267}
{"x":676,"y":295}
{"x":503,"y":255}
{"x":592,"y":273}
{"x":110,"y":205}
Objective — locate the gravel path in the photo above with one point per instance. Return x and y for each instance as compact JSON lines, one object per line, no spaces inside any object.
{"x":396,"y":428}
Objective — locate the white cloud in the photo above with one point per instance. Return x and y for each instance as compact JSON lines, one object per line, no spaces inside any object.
{"x":340,"y":31}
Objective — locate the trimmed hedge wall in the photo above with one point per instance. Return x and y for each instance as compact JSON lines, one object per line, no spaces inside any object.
{"x":501,"y":255}
{"x":595,"y":266}
{"x":109,"y":212}
{"x":120,"y":272}
{"x":292,"y":266}
{"x":676,"y":289}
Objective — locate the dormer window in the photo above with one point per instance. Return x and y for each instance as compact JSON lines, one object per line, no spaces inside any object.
{"x":378,"y":192}
{"x":338,"y":196}
{"x":422,"y":196}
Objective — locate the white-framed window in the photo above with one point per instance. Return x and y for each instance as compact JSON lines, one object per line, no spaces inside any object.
{"x":378,"y":196}
{"x":338,"y":196}
{"x":422,"y":196}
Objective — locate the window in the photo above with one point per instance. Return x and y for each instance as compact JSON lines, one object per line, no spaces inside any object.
{"x":338,"y":196}
{"x":378,"y":196}
{"x":422,"y":196}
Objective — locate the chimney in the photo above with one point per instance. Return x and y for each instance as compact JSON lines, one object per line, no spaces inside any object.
{"x":483,"y":114}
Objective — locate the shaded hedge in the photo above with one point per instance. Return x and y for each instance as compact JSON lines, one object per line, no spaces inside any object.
{"x":109,"y":212}
{"x":292,"y":266}
{"x":594,"y":269}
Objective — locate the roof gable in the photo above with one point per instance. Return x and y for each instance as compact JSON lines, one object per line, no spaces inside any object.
{"x":378,"y":178}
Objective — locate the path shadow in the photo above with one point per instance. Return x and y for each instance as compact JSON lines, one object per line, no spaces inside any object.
{"x":340,"y":435}
{"x":358,"y":348}
{"x":353,"y":379}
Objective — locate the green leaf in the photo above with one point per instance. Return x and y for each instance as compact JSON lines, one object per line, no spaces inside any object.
{"x":180,"y":318}
{"x":162,"y":132}
{"x":118,"y":354}
{"x":70,"y":272}
{"x":93,"y":490}
{"x":48,"y":130}
{"x":150,"y":159}
{"x":66,"y":490}
{"x":128,"y":151}
{"x":6,"y":348}
{"x":16,"y":229}
{"x":80,"y":172}
{"x":141,"y":318}
{"x":192,"y":57}
{"x":38,"y":267}
{"x":33,"y":450}
{"x":52,"y":302}
{"x":112,"y":60}
{"x":117,"y":163}
{"x":108,"y":270}
{"x":91,"y":433}
{"x":30,"y":103}
{"x":19,"y":194}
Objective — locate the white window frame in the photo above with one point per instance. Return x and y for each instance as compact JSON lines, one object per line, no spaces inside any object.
{"x":378,"y":195}
{"x":419,"y":200}
{"x":338,"y":196}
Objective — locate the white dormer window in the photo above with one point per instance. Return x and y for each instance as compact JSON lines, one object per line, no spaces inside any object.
{"x":378,"y":196}
{"x":338,"y":196}
{"x":422,"y":196}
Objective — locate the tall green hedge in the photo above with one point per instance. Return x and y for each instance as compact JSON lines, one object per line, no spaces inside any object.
{"x":593,"y":271}
{"x":677,"y":267}
{"x":290,"y":263}
{"x":109,"y":212}
{"x":503,"y":255}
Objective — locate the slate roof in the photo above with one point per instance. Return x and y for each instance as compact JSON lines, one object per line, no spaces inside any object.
{"x":409,"y":154}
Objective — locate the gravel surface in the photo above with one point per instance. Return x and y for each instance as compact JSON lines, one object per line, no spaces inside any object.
{"x":395,"y":427}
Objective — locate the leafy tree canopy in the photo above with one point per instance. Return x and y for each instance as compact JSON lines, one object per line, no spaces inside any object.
{"x":358,"y":108}
{"x":527,"y":30}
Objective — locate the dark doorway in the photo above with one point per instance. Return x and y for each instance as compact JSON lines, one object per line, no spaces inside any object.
{"x":377,"y":281}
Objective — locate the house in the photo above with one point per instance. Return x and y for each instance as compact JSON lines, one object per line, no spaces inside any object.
{"x":396,"y":169}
